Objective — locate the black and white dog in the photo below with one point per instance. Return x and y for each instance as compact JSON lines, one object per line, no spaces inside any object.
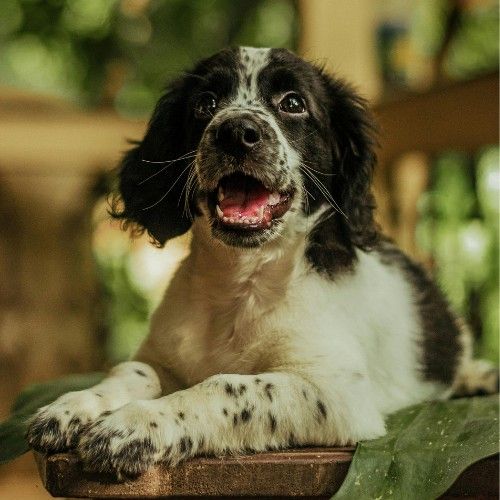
{"x":292,"y":321}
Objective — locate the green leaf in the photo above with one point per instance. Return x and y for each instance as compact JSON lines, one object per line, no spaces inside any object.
{"x":426,"y":448}
{"x":13,"y":430}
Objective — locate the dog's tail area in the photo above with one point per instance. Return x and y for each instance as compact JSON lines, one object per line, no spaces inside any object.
{"x":475,"y":377}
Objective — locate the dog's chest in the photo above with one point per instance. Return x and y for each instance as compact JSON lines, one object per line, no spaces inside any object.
{"x":232,"y":325}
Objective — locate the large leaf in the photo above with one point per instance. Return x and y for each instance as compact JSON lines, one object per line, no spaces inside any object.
{"x":425,"y":450}
{"x":13,"y":430}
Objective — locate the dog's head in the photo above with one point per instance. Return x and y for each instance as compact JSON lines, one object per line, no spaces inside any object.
{"x":249,"y":140}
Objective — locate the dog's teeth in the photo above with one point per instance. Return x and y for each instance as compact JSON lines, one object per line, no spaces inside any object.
{"x":231,"y":220}
{"x":261,"y":213}
{"x":274,"y":198}
{"x":225,"y":219}
{"x":220,"y":194}
{"x":220,"y":213}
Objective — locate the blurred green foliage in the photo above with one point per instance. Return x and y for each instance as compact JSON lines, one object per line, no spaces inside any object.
{"x":424,"y":41}
{"x":459,"y":226}
{"x":122,"y":52}
{"x":127,"y":307}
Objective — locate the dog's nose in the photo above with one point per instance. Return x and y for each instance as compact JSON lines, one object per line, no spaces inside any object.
{"x":238,"y":135}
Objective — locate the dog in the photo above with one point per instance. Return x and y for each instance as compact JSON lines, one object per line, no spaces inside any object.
{"x":293,"y":321}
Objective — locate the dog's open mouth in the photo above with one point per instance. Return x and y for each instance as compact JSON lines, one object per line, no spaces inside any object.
{"x":243,"y":202}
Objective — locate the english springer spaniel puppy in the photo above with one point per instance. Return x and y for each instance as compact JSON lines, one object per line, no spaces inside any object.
{"x":293,"y":321}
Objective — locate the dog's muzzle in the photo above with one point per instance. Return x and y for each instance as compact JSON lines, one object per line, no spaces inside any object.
{"x":239,"y":166}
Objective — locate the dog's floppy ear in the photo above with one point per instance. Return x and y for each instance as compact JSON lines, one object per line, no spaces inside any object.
{"x":153,"y":174}
{"x":353,"y":146}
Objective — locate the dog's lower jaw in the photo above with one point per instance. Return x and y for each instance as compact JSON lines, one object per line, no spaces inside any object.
{"x":241,"y":238}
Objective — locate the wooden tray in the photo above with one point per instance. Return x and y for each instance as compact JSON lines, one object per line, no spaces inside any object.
{"x":307,"y":472}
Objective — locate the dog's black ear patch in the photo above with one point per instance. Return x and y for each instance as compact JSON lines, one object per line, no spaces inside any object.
{"x":153,"y":175}
{"x":353,"y":153}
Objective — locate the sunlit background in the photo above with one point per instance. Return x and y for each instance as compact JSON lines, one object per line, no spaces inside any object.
{"x":79,"y":77}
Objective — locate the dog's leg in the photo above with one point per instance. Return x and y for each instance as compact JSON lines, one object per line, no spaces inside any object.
{"x":56,"y":427}
{"x":231,"y":414}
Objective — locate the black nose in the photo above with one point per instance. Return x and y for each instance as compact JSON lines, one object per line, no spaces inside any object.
{"x":237,"y":135}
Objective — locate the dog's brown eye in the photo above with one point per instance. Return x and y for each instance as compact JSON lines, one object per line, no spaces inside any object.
{"x":292,"y":103}
{"x":206,"y":105}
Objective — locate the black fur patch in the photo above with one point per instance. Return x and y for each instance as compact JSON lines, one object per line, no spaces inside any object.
{"x":230,"y":391}
{"x":272,"y":422}
{"x":440,"y":345}
{"x":185,"y":444}
{"x":268,"y":391}
{"x":246,"y":415}
{"x":140,"y":372}
{"x":135,"y":456}
{"x":330,"y":249}
{"x":321,"y":408}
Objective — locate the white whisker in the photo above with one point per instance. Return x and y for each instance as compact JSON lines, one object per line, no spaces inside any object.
{"x":170,"y":189}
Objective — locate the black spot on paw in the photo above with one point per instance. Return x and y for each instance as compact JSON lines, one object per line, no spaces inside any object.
{"x":98,"y":394}
{"x":75,"y":422}
{"x":235,"y":419}
{"x":181,"y":415}
{"x":242,"y":389}
{"x":246,"y":415}
{"x":166,"y":453}
{"x":185,"y":444}
{"x":268,"y":388}
{"x":304,"y":393}
{"x":272,"y":422}
{"x":230,"y":390}
{"x":224,"y":412}
{"x":154,"y":425}
{"x":257,"y":380}
{"x":44,"y":434}
{"x":135,"y":457}
{"x":105,"y":413}
{"x":321,"y":408}
{"x":140,"y":372}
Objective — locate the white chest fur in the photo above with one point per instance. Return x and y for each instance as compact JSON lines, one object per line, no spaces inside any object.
{"x":234,"y":311}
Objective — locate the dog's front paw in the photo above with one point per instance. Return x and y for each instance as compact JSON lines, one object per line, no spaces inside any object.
{"x":56,"y":427}
{"x":133,"y":438}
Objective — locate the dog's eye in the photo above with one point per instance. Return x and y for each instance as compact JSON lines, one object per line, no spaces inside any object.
{"x":206,"y":105}
{"x":292,"y":103}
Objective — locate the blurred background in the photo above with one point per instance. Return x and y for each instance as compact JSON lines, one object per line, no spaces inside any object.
{"x":79,"y":77}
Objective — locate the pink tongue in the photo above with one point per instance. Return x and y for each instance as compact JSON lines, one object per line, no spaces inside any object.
{"x":243,"y":199}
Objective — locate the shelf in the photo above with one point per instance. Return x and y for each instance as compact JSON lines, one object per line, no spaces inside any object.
{"x":462,"y":116}
{"x":306,"y":472}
